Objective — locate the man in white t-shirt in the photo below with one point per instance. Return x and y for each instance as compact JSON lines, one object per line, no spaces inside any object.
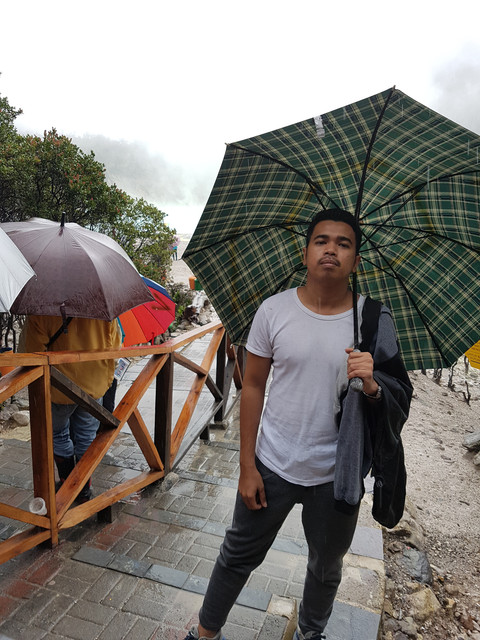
{"x":306,"y":336}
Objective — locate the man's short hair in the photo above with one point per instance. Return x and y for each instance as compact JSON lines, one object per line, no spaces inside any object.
{"x":337,"y":215}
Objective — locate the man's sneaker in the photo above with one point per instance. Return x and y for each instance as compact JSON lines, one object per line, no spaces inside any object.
{"x":311,"y":635}
{"x":193,"y":635}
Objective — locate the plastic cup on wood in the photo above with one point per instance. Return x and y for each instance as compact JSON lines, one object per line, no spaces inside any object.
{"x":38,"y":507}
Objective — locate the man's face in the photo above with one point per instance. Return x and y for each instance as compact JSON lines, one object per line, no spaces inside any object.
{"x":331,"y":252}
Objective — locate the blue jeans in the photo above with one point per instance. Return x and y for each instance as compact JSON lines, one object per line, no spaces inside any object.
{"x":328,"y":532}
{"x":74,"y":429}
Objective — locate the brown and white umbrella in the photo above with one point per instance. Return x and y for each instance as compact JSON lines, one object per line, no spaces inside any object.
{"x":80,"y":273}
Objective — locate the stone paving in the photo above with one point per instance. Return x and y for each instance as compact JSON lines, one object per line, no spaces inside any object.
{"x":143,"y":575}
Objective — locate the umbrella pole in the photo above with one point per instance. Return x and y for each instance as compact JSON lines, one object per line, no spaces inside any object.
{"x":355,"y":311}
{"x":355,"y":383}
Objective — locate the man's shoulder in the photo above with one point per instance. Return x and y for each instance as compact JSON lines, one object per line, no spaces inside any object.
{"x":279,"y":298}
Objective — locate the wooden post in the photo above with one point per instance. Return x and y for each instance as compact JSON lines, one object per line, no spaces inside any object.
{"x":220,"y":379}
{"x":240,"y":371}
{"x":163,"y":412}
{"x":42,"y":447}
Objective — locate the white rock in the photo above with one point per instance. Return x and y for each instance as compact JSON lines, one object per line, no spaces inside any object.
{"x":22,"y":418}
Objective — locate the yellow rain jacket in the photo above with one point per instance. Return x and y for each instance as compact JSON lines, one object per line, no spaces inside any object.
{"x":84,"y":334}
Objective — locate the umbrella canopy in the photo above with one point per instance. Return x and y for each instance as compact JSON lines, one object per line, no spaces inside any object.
{"x":143,"y":323}
{"x":80,"y":273}
{"x":410,"y":175}
{"x":15,"y":272}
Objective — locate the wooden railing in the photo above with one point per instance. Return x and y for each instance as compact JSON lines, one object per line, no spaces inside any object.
{"x":162,"y":451}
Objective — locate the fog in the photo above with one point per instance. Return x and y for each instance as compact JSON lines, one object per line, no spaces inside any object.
{"x":458,"y":89}
{"x":133,"y":168}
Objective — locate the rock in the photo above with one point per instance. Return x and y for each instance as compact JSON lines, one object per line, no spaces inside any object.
{"x":416,"y":563}
{"x":423,"y":604}
{"x":449,"y":606}
{"x":390,"y":626}
{"x":200,"y":312}
{"x":395,"y":546}
{"x":476,"y":460}
{"x":466,"y":621}
{"x":388,"y":608}
{"x":22,"y":404}
{"x":8,"y":410}
{"x":452,"y":589}
{"x":410,"y":530}
{"x":408,"y":627}
{"x":22,"y":418}
{"x":472,"y":441}
{"x":169,"y":481}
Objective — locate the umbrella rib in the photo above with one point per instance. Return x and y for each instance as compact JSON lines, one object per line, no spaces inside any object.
{"x":413,"y":191}
{"x":369,"y":152}
{"x":281,"y":286}
{"x":358,"y":205}
{"x":233,"y":236}
{"x":426,"y":234}
{"x":313,"y":187}
{"x":415,"y":306}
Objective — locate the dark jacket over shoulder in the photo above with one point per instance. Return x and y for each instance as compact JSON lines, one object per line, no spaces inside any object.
{"x":369,"y":433}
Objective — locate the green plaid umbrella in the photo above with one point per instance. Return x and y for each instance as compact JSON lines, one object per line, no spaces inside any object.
{"x":412,"y":178}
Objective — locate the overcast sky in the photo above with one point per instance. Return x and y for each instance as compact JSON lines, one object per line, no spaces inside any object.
{"x":157,"y":88}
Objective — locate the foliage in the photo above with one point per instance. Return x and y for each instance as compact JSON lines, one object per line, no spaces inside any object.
{"x":65,"y":179}
{"x":143,"y":234}
{"x":48,"y":176}
{"x":15,"y":163}
{"x":182,"y":296}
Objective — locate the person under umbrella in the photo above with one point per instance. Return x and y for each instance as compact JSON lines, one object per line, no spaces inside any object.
{"x":84,"y":281}
{"x":312,"y":448}
{"x":74,"y":428}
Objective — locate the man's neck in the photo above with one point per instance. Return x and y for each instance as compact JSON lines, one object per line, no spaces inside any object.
{"x":325,"y":300}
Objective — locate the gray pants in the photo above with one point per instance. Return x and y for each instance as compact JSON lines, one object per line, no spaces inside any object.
{"x":328,"y":532}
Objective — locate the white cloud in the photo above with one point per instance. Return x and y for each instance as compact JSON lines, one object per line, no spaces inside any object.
{"x":182,"y":78}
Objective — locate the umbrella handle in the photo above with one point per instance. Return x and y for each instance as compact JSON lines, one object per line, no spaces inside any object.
{"x":356,"y":383}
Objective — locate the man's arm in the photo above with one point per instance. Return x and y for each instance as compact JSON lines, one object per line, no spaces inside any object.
{"x":250,"y":484}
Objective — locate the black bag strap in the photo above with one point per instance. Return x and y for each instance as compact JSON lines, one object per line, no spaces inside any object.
{"x":370,"y":315}
{"x":62,"y":329}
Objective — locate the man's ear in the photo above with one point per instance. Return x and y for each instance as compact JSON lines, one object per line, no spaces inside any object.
{"x":356,"y":263}
{"x":304,"y":261}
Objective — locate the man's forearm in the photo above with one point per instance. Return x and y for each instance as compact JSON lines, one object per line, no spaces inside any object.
{"x":251,"y":407}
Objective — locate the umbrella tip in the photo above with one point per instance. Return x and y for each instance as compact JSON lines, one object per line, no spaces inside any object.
{"x":62,"y":222}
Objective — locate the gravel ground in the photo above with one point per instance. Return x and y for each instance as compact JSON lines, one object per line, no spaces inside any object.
{"x":443,"y":489}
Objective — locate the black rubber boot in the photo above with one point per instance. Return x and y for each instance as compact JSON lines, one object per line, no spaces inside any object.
{"x":86,"y":493}
{"x":64,"y":467}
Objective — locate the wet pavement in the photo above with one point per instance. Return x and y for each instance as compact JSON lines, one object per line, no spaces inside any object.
{"x":142,"y":576}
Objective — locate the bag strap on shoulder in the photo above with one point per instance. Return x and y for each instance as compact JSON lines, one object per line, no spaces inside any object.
{"x":62,"y":329}
{"x":370,"y":315}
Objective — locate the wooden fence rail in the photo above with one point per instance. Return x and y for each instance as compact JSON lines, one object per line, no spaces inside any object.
{"x":162,"y":452}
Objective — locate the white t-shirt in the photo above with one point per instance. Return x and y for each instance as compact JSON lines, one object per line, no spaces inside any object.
{"x":298,"y":435}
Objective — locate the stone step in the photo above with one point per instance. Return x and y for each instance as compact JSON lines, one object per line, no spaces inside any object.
{"x":183,"y":554}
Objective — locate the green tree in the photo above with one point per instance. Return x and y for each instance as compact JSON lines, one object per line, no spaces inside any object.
{"x":67,"y":180}
{"x":49,"y":176}
{"x":140,"y":229}
{"x":15,"y":164}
